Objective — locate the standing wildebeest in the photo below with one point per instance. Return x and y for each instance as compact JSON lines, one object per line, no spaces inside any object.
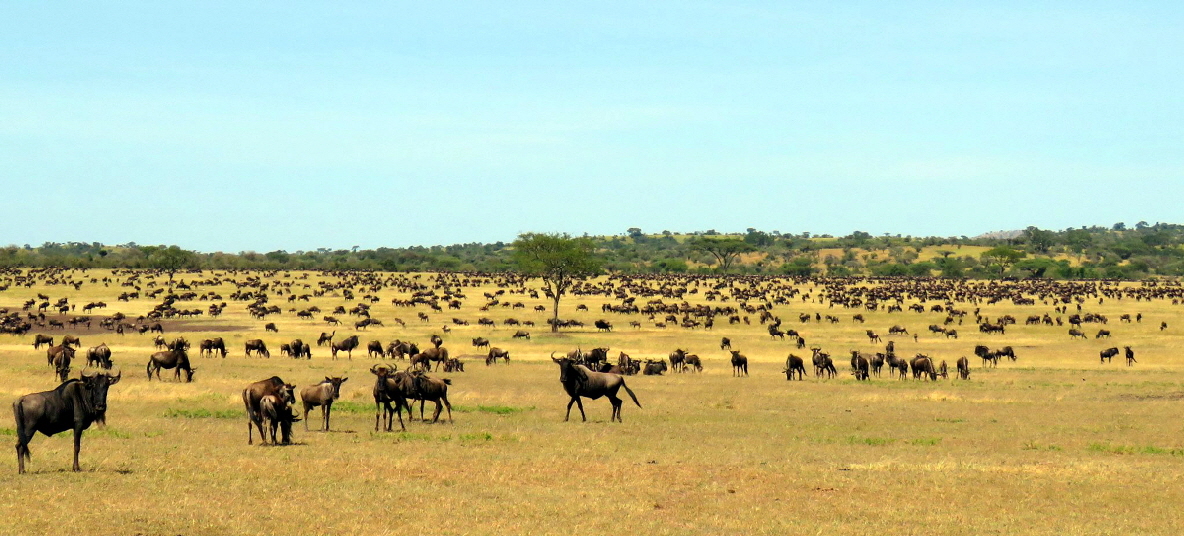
{"x":1074,"y":333}
{"x":437,"y":341}
{"x":300,"y":349}
{"x":386,"y":390}
{"x":260,"y":349}
{"x":255,"y":392}
{"x":322,"y":394}
{"x":276,"y":411}
{"x":693,"y":362}
{"x":877,"y":363}
{"x":739,"y":363}
{"x":325,"y":338}
{"x":793,"y":364}
{"x":424,"y":358}
{"x":1102,"y":333}
{"x":73,"y":404}
{"x":375,"y":347}
{"x":170,"y":359}
{"x":1130,"y":356}
{"x":418,"y":386}
{"x":159,"y":341}
{"x":987,"y":355}
{"x":859,"y":365}
{"x":872,"y":337}
{"x":209,"y":346}
{"x":59,"y":358}
{"x":481,"y":342}
{"x":1108,"y":353}
{"x":99,"y":355}
{"x":823,"y":363}
{"x":495,"y":353}
{"x":70,"y":340}
{"x":271,"y":327}
{"x":521,"y":335}
{"x":725,"y":344}
{"x":346,"y":345}
{"x":963,"y":368}
{"x":603,"y":325}
{"x":923,"y":365}
{"x":40,"y":339}
{"x":677,"y":360}
{"x":580,"y":381}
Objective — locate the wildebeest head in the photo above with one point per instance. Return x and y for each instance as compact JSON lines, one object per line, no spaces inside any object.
{"x":96,"y":384}
{"x":568,"y":370}
{"x":336,"y":381}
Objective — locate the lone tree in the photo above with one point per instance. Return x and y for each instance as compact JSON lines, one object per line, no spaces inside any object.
{"x":559,"y":260}
{"x":725,"y":250}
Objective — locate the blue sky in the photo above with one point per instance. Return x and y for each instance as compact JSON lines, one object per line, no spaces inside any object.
{"x":295,"y":125}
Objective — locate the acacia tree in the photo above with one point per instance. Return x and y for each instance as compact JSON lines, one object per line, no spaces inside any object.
{"x":559,"y":260}
{"x":725,"y":250}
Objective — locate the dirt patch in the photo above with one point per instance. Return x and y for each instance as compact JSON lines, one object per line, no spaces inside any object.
{"x":1129,"y":397}
{"x":170,"y":326}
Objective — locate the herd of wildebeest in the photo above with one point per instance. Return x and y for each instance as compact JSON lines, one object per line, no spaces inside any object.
{"x":659,"y":301}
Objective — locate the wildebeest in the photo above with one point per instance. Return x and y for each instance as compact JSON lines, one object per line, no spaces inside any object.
{"x":1102,"y":333}
{"x":495,"y":353}
{"x":923,"y":365}
{"x":276,"y":411}
{"x":346,"y":345}
{"x":480,"y":342}
{"x":260,"y":349}
{"x":877,"y":363}
{"x":255,"y":392}
{"x":424,"y":359}
{"x":963,"y":368}
{"x":603,"y":325}
{"x":1130,"y":356}
{"x":521,"y":335}
{"x":70,"y":340}
{"x":271,"y":327}
{"x":823,"y":364}
{"x":322,"y":394}
{"x":300,"y":349}
{"x":40,"y":339}
{"x":170,"y":359}
{"x":693,"y":362}
{"x":739,"y":363}
{"x":872,"y":337}
{"x":654,"y":368}
{"x":677,"y":360}
{"x":898,"y":330}
{"x":59,"y":358}
{"x":1075,"y":333}
{"x":325,"y":338}
{"x":725,"y":344}
{"x":859,"y":366}
{"x":436,"y":340}
{"x":794,"y":364}
{"x":74,"y":404}
{"x":209,"y":346}
{"x":386,"y":390}
{"x":372,"y":349}
{"x":1108,"y":353}
{"x":419,"y":386}
{"x":99,"y":356}
{"x":581,"y":382}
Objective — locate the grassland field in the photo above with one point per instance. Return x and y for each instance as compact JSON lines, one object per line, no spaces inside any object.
{"x":1054,"y":443}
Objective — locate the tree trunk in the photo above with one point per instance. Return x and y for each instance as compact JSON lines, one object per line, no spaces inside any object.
{"x":555,"y":315}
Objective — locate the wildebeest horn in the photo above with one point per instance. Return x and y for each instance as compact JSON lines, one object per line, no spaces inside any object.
{"x":553,"y":357}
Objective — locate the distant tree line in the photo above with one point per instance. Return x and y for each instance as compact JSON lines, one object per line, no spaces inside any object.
{"x":1115,"y":252}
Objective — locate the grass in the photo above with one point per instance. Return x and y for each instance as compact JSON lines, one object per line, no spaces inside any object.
{"x":1015,"y":450}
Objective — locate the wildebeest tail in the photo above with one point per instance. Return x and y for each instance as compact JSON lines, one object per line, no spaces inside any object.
{"x":631,"y":395}
{"x":22,"y":442}
{"x":447,"y":381}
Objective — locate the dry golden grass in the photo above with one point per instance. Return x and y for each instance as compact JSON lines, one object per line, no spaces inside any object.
{"x":1052,"y":444}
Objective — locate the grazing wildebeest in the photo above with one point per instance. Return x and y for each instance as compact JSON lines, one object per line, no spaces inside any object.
{"x":322,"y":394}
{"x":260,"y":349}
{"x":952,"y":334}
{"x":325,"y":338}
{"x":693,"y":362}
{"x":374,"y":347}
{"x":386,"y":390}
{"x":255,"y":392}
{"x":99,"y":355}
{"x":170,"y":359}
{"x":1130,"y":356}
{"x":1108,"y":353}
{"x":943,"y":370}
{"x":159,"y":341}
{"x":276,"y":411}
{"x":923,"y":365}
{"x":963,"y":368}
{"x":725,"y":344}
{"x":1074,"y":333}
{"x":346,"y":345}
{"x":70,"y":340}
{"x":654,"y":368}
{"x":73,"y":404}
{"x":521,"y":335}
{"x":209,"y":346}
{"x":60,"y":357}
{"x":1102,"y":333}
{"x":495,"y":353}
{"x":739,"y":363}
{"x":480,"y":342}
{"x":271,"y":327}
{"x":580,"y":381}
{"x":898,"y":330}
{"x":40,"y":339}
{"x":156,"y":328}
{"x":793,"y":364}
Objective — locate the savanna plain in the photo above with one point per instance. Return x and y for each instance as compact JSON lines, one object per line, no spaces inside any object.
{"x":1054,"y":442}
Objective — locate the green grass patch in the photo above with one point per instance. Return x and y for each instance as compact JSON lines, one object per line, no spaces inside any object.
{"x":1129,"y":449}
{"x":926,"y":441}
{"x":484,"y":436}
{"x":8,"y":431}
{"x":353,"y":407}
{"x":951,"y":421}
{"x":872,"y":441}
{"x":109,"y":432}
{"x":202,"y":413}
{"x":1032,"y":445}
{"x":495,"y":409}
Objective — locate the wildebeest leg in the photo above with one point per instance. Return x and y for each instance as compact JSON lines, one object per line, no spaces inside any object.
{"x":616,"y":402}
{"x":573,"y":400}
{"x":580,"y":403}
{"x":307,"y":408}
{"x":421,"y":404}
{"x":326,"y":409}
{"x":77,"y":444}
{"x":436,"y":415}
{"x":378,"y":414}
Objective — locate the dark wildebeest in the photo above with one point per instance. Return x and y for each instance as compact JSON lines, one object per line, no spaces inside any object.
{"x":495,"y":353}
{"x":871,"y":335}
{"x":438,"y":354}
{"x":255,"y":392}
{"x":725,"y":344}
{"x":823,"y":364}
{"x":156,"y":328}
{"x":739,"y":363}
{"x":209,"y":346}
{"x":1130,"y":356}
{"x":436,"y":341}
{"x":260,"y":349}
{"x":963,"y":368}
{"x":276,"y":411}
{"x":322,"y":394}
{"x":375,"y":347}
{"x":481,"y":342}
{"x":877,"y":363}
{"x":677,"y":360}
{"x":325,"y":338}
{"x":793,"y":364}
{"x":40,"y":339}
{"x":987,"y":355}
{"x":654,"y":368}
{"x":1102,"y":333}
{"x":943,"y":370}
{"x":346,"y":345}
{"x":60,"y":358}
{"x":923,"y":365}
{"x":159,"y":341}
{"x":1074,"y":333}
{"x":386,"y":390}
{"x":580,"y":381}
{"x":859,"y":365}
{"x":418,"y":386}
{"x":521,"y":335}
{"x":693,"y":362}
{"x":99,"y":355}
{"x":603,"y":325}
{"x":271,"y":327}
{"x":170,"y":359}
{"x":301,"y":349}
{"x":70,"y":340}
{"x":73,"y":404}
{"x":1108,"y":353}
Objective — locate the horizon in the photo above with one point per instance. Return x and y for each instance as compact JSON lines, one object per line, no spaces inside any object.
{"x":229,"y":127}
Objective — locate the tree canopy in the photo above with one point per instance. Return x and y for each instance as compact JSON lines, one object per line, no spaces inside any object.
{"x":558,"y":259}
{"x":725,"y":250}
